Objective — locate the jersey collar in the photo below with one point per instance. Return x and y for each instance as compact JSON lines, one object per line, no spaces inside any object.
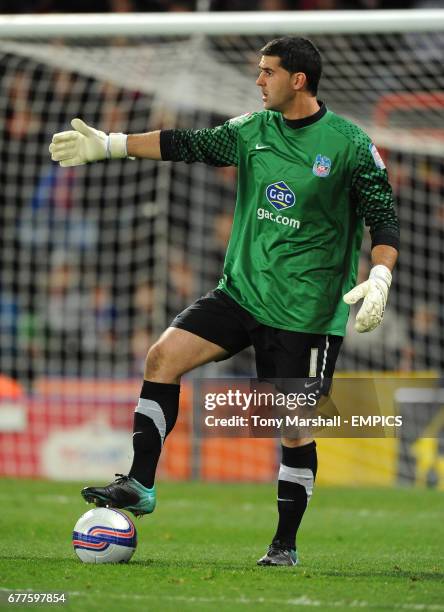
{"x":300,"y":123}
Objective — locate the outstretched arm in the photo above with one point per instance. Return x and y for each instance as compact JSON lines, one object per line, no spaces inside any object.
{"x":85,"y":144}
{"x":146,"y":146}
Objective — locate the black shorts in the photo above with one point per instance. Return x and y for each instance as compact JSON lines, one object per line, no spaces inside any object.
{"x":280,"y":354}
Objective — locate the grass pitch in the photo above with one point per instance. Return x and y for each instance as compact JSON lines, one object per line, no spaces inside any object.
{"x":369,"y":549}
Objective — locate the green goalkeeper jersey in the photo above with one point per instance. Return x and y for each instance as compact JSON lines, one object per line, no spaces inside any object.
{"x":305,"y":189}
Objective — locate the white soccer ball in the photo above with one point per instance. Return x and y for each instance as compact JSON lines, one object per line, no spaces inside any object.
{"x":104,"y":535}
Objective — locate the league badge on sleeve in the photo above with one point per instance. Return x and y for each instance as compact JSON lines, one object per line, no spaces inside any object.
{"x":322,"y":166}
{"x":239,"y":118}
{"x":376,"y":156}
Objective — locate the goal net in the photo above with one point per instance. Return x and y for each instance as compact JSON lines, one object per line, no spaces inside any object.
{"x":97,"y":259}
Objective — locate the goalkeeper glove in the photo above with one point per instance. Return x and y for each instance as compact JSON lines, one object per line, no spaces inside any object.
{"x":375,"y":292}
{"x":85,"y":144}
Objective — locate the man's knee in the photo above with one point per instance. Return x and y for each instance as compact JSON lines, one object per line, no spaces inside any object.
{"x":157,"y":359}
{"x":295,"y":442}
{"x":176,"y":352}
{"x":154,"y":356}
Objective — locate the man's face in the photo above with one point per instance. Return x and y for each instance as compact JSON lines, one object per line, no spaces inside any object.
{"x":276,"y":83}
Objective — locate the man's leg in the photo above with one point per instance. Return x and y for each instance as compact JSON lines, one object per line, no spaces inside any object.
{"x":288,"y":356}
{"x":297,"y":474}
{"x":176,"y":352}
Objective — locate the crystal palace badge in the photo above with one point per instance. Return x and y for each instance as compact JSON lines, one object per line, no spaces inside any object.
{"x":322,"y":166}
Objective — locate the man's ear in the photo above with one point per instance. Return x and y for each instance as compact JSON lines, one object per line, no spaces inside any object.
{"x":299,"y":80}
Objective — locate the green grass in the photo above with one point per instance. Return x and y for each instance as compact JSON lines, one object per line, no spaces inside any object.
{"x":359,"y":548}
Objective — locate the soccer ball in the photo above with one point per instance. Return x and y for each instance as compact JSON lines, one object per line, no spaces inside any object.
{"x":104,"y":535}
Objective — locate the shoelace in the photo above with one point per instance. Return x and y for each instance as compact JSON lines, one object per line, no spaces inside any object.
{"x":121,"y":478}
{"x":279,"y":548}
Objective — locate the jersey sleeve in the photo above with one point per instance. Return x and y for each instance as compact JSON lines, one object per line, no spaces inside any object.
{"x":373,"y":195}
{"x":213,"y":146}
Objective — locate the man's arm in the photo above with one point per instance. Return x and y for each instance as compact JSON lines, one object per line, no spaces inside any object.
{"x":146,"y":146}
{"x":374,"y":291}
{"x":384,"y":255}
{"x":373,"y":195}
{"x":84,"y":144}
{"x":214,"y":146}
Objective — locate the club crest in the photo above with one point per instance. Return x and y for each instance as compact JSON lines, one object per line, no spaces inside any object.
{"x":322,"y":166}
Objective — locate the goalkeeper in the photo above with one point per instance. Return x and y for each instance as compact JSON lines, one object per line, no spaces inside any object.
{"x":308,"y":180}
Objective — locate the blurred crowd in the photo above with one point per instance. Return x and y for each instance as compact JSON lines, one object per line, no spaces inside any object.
{"x":87,"y":265}
{"x":127,"y":6}
{"x":90,"y":271}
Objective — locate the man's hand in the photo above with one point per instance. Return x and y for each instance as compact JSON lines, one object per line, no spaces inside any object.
{"x":375,"y":292}
{"x":84,"y":144}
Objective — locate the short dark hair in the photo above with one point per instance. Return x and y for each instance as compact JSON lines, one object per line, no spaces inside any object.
{"x":297,"y":55}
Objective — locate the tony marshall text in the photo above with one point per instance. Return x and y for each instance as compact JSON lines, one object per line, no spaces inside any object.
{"x":258,"y":421}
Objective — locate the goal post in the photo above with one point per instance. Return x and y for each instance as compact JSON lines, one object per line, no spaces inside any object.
{"x":220,"y":23}
{"x":97,"y":259}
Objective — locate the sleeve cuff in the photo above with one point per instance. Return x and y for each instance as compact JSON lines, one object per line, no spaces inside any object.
{"x":387,"y":238}
{"x":166,"y":145}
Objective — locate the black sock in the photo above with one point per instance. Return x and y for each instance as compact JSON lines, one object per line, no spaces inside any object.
{"x":155,"y":417}
{"x":296,"y":478}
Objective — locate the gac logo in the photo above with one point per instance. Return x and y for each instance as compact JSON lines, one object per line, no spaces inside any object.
{"x":280,"y":195}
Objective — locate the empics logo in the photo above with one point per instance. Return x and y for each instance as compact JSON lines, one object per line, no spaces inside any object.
{"x":280,"y":195}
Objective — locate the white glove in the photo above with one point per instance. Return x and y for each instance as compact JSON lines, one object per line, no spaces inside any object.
{"x":375,"y":292}
{"x":85,"y":144}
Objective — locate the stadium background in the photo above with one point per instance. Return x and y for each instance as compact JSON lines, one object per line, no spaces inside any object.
{"x":96,"y":260}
